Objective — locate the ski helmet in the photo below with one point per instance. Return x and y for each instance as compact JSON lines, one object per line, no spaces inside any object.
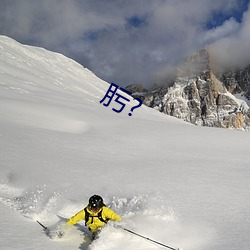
{"x":95,"y":202}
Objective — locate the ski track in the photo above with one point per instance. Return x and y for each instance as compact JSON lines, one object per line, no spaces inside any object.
{"x":144,"y":214}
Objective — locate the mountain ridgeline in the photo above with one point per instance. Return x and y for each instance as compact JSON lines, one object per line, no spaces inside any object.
{"x":201,"y":95}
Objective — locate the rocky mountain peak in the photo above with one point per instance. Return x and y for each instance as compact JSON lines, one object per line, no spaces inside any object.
{"x":197,"y":64}
{"x":200,"y":96}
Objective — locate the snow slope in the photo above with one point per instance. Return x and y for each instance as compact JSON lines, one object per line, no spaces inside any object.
{"x":173,"y":182}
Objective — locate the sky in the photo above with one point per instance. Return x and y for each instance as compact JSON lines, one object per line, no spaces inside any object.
{"x":132,"y":41}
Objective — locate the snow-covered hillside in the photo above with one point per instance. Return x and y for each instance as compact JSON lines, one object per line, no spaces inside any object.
{"x":179,"y":184}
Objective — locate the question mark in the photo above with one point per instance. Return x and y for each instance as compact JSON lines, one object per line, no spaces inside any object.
{"x":137,"y":106}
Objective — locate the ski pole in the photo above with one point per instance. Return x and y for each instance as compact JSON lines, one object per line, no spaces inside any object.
{"x":146,"y":238}
{"x":45,"y":228}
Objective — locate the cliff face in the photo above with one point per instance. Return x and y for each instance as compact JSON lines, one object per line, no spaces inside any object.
{"x":237,"y":81}
{"x":201,"y":97}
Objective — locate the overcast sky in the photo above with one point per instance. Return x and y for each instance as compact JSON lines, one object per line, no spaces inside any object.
{"x":131,"y":41}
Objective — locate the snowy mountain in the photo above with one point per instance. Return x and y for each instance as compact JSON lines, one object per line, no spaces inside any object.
{"x":201,"y":96}
{"x":183,"y":185}
{"x":237,"y":81}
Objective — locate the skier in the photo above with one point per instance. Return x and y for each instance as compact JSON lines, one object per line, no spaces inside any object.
{"x":95,"y":214}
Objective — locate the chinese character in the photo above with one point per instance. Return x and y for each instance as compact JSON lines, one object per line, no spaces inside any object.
{"x":110,"y":95}
{"x":110,"y":91}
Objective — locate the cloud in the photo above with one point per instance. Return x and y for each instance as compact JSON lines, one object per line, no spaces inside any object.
{"x":124,"y":41}
{"x":232,"y":50}
{"x":228,"y":28}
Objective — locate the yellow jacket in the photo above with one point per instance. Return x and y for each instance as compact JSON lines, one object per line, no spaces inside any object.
{"x":94,"y":223}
